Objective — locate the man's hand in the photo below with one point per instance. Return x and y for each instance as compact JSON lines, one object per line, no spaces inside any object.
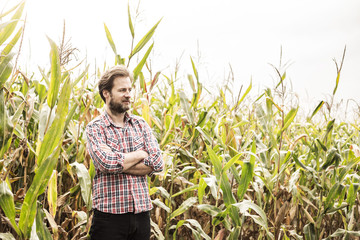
{"x":105,"y":148}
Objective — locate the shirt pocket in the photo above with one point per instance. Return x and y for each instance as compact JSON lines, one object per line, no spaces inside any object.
{"x":138,"y":143}
{"x":114,"y":143}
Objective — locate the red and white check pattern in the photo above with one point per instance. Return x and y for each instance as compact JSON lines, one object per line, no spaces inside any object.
{"x":113,"y":191}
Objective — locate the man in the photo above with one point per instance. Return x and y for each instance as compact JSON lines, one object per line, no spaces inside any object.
{"x":124,"y":151}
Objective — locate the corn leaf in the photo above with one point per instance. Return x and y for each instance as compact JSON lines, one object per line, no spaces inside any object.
{"x":247,"y":173}
{"x":54,"y":133}
{"x":40,"y":181}
{"x":186,"y":107}
{"x":183,"y":207}
{"x":201,"y":190}
{"x":12,"y":43}
{"x":110,"y":39}
{"x":139,"y":67}
{"x":289,"y":118}
{"x":85,"y":182}
{"x":7,"y":204}
{"x":131,"y":27}
{"x":144,"y":40}
{"x":55,"y":79}
{"x":7,"y":236}
{"x":5,"y":68}
{"x":9,"y":29}
{"x":52,"y":193}
{"x":194,"y":69}
{"x":41,"y":229}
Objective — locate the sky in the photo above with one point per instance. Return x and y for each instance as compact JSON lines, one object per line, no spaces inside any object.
{"x":246,"y":35}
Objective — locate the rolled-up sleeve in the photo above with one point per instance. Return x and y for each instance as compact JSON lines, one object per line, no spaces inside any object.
{"x":154,"y":160}
{"x":104,"y":161}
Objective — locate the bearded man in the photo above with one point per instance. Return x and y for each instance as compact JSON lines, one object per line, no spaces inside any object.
{"x":124,"y":151}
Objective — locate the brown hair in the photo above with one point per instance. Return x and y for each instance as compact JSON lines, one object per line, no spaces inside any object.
{"x":106,"y":81}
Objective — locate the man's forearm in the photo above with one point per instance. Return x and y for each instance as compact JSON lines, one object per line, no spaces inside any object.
{"x":132,"y":159}
{"x":139,"y":169}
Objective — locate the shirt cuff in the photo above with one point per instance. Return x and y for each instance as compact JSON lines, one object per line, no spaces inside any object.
{"x":148,"y":163}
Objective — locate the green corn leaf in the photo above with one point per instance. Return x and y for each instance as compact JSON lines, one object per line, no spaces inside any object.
{"x":298,"y":162}
{"x":329,"y":127}
{"x":194,"y":69}
{"x":41,"y":229}
{"x":55,"y":79}
{"x":45,"y":76}
{"x":321,"y":144}
{"x":54,"y":133}
{"x":209,"y":209}
{"x":201,"y":190}
{"x":5,"y":68}
{"x":333,"y":194}
{"x":289,"y":118}
{"x":40,"y":181}
{"x":85,"y":182}
{"x":337,"y":83}
{"x":183,"y":207}
{"x":243,"y":96}
{"x":6,"y":127}
{"x":186,"y":107}
{"x":12,"y":43}
{"x":196,"y":96}
{"x":231,"y":162}
{"x":189,"y":189}
{"x":220,"y":217}
{"x":52,"y":193}
{"x":6,"y":32}
{"x":191,"y":81}
{"x":330,"y":158}
{"x":310,"y":232}
{"x":11,"y":9}
{"x":344,"y":171}
{"x":81,"y":76}
{"x":7,"y":204}
{"x":131,"y":27}
{"x":110,"y":39}
{"x":139,"y":67}
{"x":247,"y":173}
{"x":142,"y":82}
{"x":260,"y":218}
{"x":216,"y":162}
{"x":144,"y":40}
{"x":318,"y":107}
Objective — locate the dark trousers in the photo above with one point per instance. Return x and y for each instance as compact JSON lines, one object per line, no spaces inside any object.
{"x":128,"y":226}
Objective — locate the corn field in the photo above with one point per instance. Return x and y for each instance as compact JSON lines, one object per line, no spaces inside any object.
{"x":236,"y":167}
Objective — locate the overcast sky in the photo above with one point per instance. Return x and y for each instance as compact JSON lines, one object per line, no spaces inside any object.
{"x":246,"y":34}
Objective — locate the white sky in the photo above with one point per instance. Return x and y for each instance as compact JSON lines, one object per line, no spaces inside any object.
{"x":246,"y":34}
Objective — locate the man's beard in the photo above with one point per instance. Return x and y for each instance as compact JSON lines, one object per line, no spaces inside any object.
{"x":117,"y":108}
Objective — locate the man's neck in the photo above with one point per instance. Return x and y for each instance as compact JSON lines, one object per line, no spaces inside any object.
{"x":117,"y":118}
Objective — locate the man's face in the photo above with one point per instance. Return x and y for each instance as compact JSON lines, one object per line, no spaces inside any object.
{"x":118,"y":99}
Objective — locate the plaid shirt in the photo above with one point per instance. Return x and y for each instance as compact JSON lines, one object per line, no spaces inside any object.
{"x":113,"y":191}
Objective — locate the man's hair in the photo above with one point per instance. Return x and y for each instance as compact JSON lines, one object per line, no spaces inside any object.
{"x":106,"y":81}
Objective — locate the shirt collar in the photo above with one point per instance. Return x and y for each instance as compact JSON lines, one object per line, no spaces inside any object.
{"x":108,"y":121}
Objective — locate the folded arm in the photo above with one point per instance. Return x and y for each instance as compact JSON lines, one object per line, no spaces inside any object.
{"x":107,"y":160}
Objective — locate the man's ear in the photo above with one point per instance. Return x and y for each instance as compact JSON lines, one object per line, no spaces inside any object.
{"x":106,"y":93}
